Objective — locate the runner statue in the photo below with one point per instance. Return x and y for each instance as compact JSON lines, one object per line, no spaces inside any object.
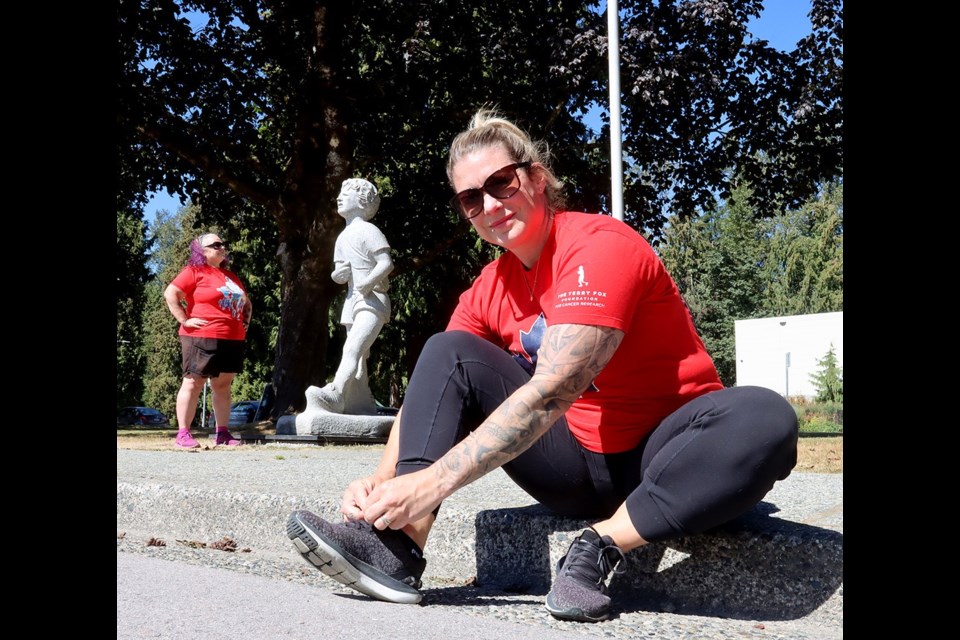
{"x":361,"y":260}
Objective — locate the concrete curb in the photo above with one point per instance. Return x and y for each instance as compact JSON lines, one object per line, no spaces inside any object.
{"x":782,"y":561}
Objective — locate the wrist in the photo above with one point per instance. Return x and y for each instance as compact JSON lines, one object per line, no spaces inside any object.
{"x":382,"y":475}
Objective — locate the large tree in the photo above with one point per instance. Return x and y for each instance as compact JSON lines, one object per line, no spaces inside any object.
{"x":701,"y":96}
{"x":278,"y":103}
{"x":270,"y":105}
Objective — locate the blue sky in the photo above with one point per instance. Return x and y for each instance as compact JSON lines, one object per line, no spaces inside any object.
{"x":783,"y":23}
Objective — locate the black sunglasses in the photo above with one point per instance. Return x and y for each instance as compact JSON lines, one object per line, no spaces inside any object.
{"x":215,"y":245}
{"x":501,"y":184}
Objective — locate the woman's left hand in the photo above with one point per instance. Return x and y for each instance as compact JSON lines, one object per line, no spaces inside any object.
{"x":399,"y":501}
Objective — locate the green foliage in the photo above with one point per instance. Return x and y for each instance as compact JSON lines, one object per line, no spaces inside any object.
{"x":715,"y":261}
{"x":828,"y":378}
{"x":132,"y":276}
{"x":163,"y":353}
{"x":420,"y":309}
{"x":700,"y":95}
{"x":804,"y":262}
{"x":729,"y":264}
{"x":172,"y":234}
{"x":818,"y":416}
{"x":294,"y":97}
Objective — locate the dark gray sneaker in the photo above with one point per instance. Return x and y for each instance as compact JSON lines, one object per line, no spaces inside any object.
{"x":386,"y":565}
{"x":580,"y":589}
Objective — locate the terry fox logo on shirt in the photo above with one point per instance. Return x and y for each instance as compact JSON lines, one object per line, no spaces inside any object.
{"x":582,"y":296}
{"x":581,"y":278}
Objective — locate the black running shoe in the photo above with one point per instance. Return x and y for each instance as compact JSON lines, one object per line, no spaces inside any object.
{"x":580,"y":589}
{"x":386,"y":565}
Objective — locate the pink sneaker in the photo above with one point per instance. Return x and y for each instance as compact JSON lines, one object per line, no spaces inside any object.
{"x":225,"y":437}
{"x":185,"y":440}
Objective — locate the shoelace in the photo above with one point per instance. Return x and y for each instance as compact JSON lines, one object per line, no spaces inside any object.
{"x":362,"y":525}
{"x":577,"y":566}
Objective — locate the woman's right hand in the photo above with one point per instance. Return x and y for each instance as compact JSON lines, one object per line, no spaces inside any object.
{"x":355,"y":498}
{"x":195,"y":323}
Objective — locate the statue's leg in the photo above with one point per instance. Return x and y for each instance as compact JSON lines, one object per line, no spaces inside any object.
{"x":360,"y":337}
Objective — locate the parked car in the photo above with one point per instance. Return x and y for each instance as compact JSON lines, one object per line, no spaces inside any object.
{"x":243,"y":412}
{"x":383,"y":410}
{"x":141,"y":416}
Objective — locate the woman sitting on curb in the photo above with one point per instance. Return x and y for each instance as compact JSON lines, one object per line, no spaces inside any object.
{"x":573,"y":363}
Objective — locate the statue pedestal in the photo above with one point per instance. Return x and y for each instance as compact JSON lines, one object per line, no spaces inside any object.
{"x":324,"y":423}
{"x":287,"y":433}
{"x":319,"y":420}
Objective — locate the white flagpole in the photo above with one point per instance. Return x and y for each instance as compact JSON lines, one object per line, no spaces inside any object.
{"x":616,"y":159}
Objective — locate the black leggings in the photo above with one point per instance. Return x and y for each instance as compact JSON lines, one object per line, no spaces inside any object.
{"x":708,"y":462}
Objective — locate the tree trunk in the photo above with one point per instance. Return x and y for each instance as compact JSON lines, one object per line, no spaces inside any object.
{"x":306,"y":212}
{"x":302,"y":341}
{"x":308,"y":225}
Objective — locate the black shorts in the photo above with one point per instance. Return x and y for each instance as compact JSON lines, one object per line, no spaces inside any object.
{"x":209,"y":357}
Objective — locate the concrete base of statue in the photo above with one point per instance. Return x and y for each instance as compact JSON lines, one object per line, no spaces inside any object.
{"x":323,"y":423}
{"x":330,"y":413}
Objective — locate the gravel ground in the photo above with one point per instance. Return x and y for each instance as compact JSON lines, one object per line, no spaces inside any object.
{"x":629,"y":619}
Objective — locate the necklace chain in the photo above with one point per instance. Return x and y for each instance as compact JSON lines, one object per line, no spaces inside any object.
{"x":536,"y":274}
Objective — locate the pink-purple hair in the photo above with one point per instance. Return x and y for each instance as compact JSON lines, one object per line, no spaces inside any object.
{"x":197,"y":258}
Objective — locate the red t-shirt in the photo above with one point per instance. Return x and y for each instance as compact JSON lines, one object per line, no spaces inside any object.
{"x":596,"y":270}
{"x":216,"y":295}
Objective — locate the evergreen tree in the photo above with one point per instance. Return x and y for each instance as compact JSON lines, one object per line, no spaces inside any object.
{"x":730,"y":265}
{"x":715,"y":259}
{"x":132,"y":276}
{"x":828,"y":378}
{"x":804,"y":262}
{"x":172,"y":234}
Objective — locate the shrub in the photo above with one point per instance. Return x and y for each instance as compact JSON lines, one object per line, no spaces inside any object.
{"x":819,"y":417}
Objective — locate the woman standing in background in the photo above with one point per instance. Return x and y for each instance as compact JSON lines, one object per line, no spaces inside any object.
{"x":213,"y":310}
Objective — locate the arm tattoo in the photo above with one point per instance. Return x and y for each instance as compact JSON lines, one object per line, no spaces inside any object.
{"x":569,"y":359}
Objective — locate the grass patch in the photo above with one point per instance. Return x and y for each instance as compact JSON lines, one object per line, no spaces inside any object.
{"x":818,"y":417}
{"x":814,"y":454}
